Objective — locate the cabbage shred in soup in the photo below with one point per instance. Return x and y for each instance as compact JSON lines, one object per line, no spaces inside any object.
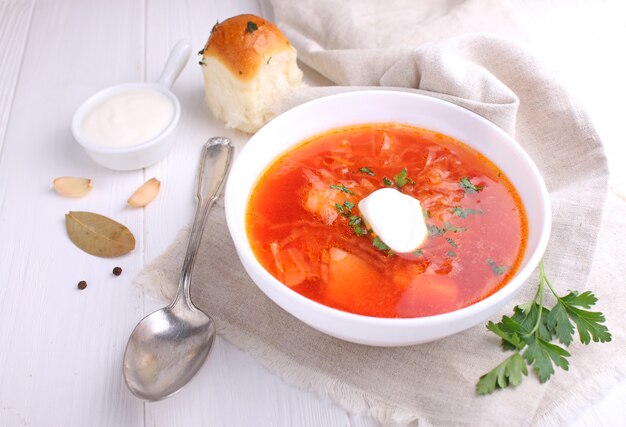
{"x":305,"y":228}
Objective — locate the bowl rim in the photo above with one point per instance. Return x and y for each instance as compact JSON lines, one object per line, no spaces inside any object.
{"x":501,"y":296}
{"x":100,"y":96}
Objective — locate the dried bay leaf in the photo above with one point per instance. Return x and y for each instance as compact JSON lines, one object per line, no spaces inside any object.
{"x":98,"y":235}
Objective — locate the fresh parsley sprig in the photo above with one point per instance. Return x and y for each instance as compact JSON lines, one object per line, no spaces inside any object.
{"x":532,"y":328}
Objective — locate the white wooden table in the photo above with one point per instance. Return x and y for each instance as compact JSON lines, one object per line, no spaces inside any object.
{"x":61,"y":348}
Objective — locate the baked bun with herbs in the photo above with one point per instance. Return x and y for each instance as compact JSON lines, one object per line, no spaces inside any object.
{"x":249,"y":67}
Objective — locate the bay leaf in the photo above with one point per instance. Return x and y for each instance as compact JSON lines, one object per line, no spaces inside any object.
{"x":98,"y":235}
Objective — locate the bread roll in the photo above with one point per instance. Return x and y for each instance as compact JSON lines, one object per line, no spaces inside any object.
{"x":249,"y":66}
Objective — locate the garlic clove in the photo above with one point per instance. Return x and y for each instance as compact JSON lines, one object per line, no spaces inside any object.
{"x":145,"y":194}
{"x":70,"y":186}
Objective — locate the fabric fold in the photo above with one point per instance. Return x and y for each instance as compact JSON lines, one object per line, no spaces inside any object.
{"x":461,"y":52}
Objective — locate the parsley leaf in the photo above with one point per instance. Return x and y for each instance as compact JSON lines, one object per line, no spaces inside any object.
{"x":464,"y":213}
{"x":543,"y":356}
{"x":401,"y":178}
{"x":470,"y":188}
{"x":450,"y":227}
{"x":434,"y":231}
{"x":341,"y":187}
{"x":509,"y":372}
{"x":531,"y":330}
{"x":367,"y":171}
{"x":251,"y":27}
{"x":497,"y":269}
{"x":418,"y":252}
{"x":355,"y":222}
{"x":358,"y":228}
{"x":557,"y":321}
{"x":379,"y":244}
{"x":588,"y":323}
{"x":510,"y":340}
{"x":387,"y":181}
{"x":345,"y":209}
{"x":452,"y":242}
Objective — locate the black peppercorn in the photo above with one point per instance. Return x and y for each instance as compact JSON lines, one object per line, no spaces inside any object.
{"x":117,"y":271}
{"x":82,"y":285}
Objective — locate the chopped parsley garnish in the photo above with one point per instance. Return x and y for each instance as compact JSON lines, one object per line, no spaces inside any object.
{"x":201,"y":51}
{"x":367,"y":171}
{"x":450,"y":227}
{"x":497,"y":269}
{"x":379,"y":244}
{"x":530,"y":333}
{"x":452,"y":242}
{"x":434,"y":231}
{"x":345,"y":209}
{"x":251,"y":27}
{"x":426,"y":213}
{"x":387,"y":181}
{"x":341,"y":187}
{"x":464,"y":213}
{"x":357,"y":227}
{"x":355,"y":219}
{"x":452,"y":254}
{"x":201,"y":62}
{"x":401,"y":178}
{"x":418,"y":252}
{"x":470,"y":188}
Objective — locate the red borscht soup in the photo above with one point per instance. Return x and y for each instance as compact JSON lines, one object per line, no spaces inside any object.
{"x":305,"y":227}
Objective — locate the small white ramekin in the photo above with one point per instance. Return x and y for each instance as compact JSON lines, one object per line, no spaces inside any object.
{"x":149,"y":152}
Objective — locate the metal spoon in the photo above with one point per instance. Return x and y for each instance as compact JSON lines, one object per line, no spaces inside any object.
{"x":168,"y":347}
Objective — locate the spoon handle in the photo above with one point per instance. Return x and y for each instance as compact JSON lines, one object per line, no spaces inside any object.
{"x":215,"y":162}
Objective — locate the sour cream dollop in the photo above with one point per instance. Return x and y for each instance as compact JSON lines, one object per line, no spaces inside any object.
{"x":128,"y":118}
{"x":396,"y":218}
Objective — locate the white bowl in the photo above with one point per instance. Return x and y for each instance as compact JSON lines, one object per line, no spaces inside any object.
{"x":362,"y":107}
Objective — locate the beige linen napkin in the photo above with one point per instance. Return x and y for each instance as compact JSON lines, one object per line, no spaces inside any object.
{"x":425,"y":49}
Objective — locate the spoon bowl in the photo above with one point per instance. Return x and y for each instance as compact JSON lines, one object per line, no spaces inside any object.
{"x":168,"y":347}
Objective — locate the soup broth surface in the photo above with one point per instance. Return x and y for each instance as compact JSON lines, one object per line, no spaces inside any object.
{"x":305,"y":228}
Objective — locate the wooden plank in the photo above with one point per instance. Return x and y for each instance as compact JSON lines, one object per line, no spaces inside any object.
{"x":62,"y":348}
{"x":15,"y":17}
